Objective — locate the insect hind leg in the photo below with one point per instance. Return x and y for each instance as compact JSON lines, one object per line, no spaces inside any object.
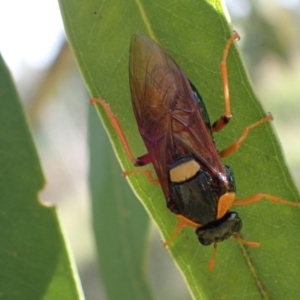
{"x":224,"y":119}
{"x":116,"y":125}
{"x":140,"y":161}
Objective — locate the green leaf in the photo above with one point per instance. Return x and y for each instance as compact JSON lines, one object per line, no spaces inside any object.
{"x":194,"y":33}
{"x":34,"y":262}
{"x":120,"y":222}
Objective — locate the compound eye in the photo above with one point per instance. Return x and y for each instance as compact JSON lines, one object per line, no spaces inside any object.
{"x":232,"y":216}
{"x":236,"y":222}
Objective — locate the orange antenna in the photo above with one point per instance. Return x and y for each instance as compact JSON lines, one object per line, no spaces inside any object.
{"x":213,"y":259}
{"x":236,"y":236}
{"x":251,"y":244}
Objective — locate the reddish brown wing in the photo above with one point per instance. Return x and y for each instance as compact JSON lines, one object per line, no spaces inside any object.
{"x":167,"y":114}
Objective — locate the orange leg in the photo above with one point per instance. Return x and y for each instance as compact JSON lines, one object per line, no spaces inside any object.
{"x":258,"y":197}
{"x":140,"y":161}
{"x":148,"y":174}
{"x":182,"y":222}
{"x":236,"y":145}
{"x":224,"y":120}
{"x":115,"y":123}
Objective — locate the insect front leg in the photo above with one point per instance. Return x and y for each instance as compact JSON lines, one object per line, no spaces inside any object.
{"x":140,"y":161}
{"x":182,"y":222}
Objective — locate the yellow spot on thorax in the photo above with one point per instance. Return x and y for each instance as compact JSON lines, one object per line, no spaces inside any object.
{"x":184,"y":171}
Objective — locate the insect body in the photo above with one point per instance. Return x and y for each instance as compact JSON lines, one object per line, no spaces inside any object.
{"x":174,"y":124}
{"x":175,"y":127}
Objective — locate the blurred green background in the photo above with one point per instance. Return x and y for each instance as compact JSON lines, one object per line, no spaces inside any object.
{"x":55,"y":94}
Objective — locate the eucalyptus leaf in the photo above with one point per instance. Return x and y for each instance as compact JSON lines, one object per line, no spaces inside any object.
{"x":194,"y":33}
{"x":34,"y":261}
